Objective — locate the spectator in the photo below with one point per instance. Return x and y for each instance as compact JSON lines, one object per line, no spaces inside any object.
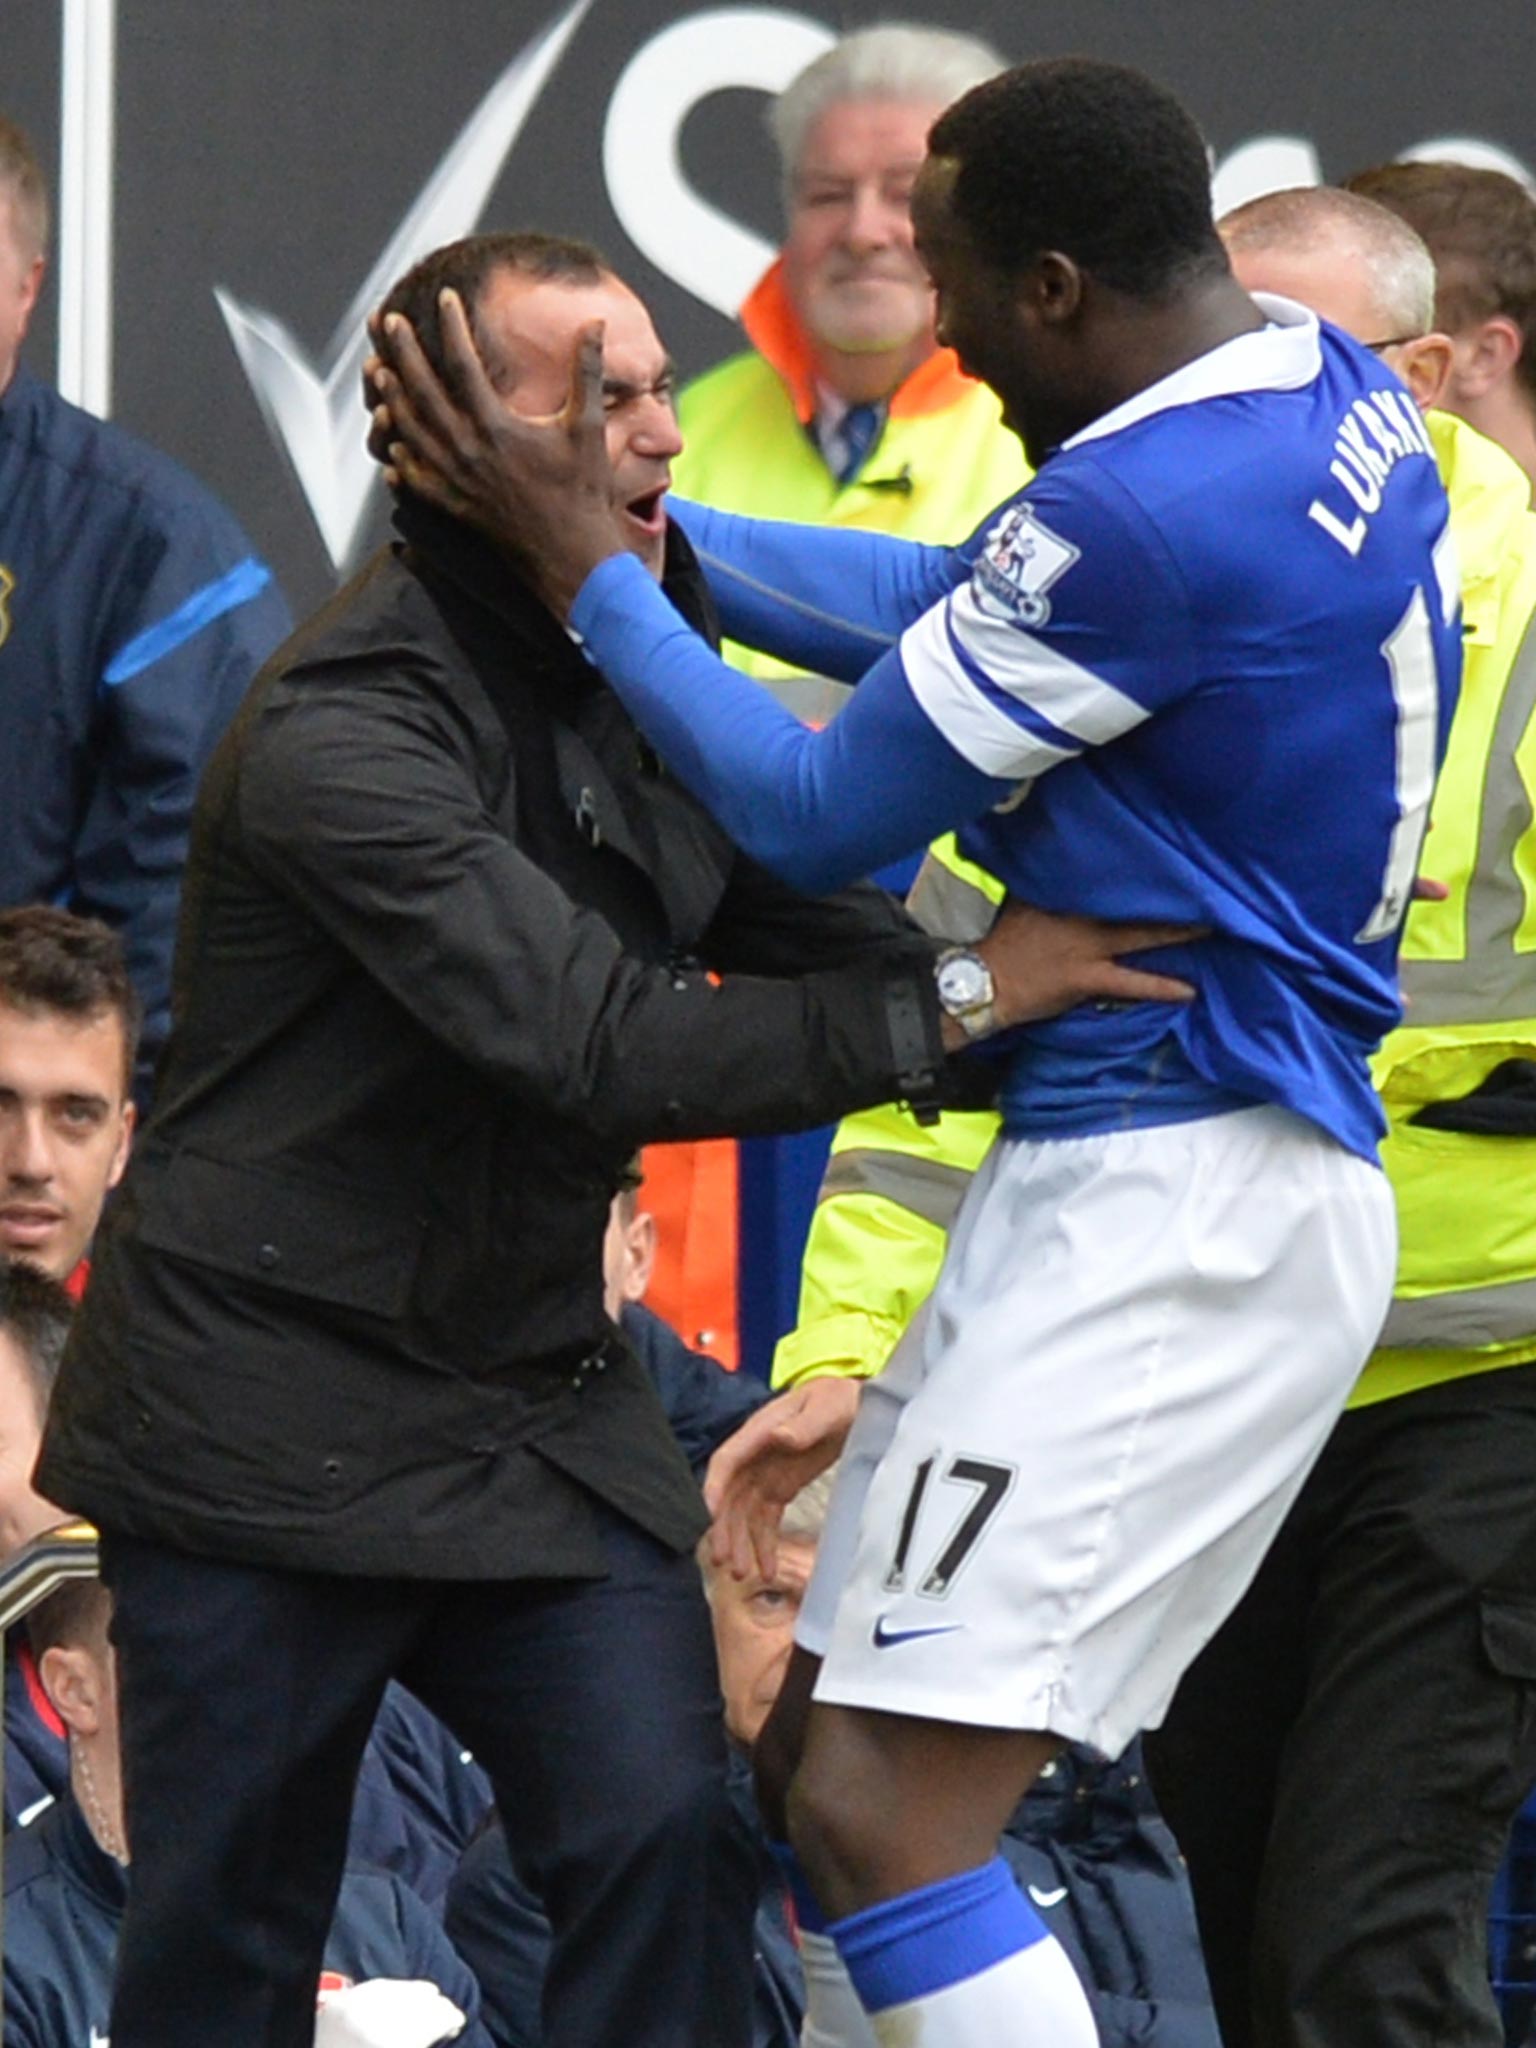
{"x":1086,"y":1843}
{"x":69,"y":1026}
{"x":65,"y":1881}
{"x":845,"y":411}
{"x":1342,"y":1763}
{"x":420,"y":1797}
{"x":1480,"y":229}
{"x":133,"y":613}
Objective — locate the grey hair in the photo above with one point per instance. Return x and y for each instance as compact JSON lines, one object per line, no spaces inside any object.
{"x":892,"y":61}
{"x":806,"y":1516}
{"x":1396,"y":259}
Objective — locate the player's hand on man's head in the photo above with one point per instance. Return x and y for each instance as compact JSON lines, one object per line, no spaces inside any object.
{"x":540,"y":487}
{"x":1043,"y":963}
{"x":760,"y":1469}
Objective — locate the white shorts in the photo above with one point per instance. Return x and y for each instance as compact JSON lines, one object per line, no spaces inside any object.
{"x":1070,"y":1469}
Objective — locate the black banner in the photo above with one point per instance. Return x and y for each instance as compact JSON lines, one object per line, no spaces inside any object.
{"x":274,"y":165}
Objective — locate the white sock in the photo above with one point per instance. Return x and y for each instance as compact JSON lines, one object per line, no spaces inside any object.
{"x":834,"y":2017}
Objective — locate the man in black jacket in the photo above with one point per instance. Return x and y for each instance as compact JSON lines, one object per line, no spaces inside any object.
{"x":343,"y":1398}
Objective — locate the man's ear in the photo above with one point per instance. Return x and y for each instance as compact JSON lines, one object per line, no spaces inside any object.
{"x":72,"y":1680}
{"x":1485,"y":355}
{"x":31,"y":286}
{"x":1054,"y":288}
{"x":1425,"y":366}
{"x":639,"y":1254}
{"x":124,"y":1144}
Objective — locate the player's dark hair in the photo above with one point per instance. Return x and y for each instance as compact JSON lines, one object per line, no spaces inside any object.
{"x":467,"y":266}
{"x":52,"y":960}
{"x":22,"y":176}
{"x":1481,"y":230}
{"x":1094,"y":160}
{"x":35,"y":1313}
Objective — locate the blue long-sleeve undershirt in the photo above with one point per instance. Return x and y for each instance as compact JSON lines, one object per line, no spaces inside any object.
{"x":827,"y":599}
{"x":820,"y":809}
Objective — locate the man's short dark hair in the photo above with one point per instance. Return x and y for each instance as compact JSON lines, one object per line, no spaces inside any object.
{"x":52,"y":960}
{"x":22,"y":176}
{"x":35,"y":1313}
{"x":1094,"y":160}
{"x":1481,"y":230}
{"x":467,"y":266}
{"x":76,"y":1615}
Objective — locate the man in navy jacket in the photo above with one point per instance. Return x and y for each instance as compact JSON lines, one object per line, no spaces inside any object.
{"x":133,"y":613}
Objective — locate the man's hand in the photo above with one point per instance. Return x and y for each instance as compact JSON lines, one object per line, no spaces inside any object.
{"x":541,"y":488}
{"x":756,"y":1473}
{"x":1043,"y":964}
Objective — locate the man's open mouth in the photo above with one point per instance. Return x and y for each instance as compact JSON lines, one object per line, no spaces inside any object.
{"x":646,"y":509}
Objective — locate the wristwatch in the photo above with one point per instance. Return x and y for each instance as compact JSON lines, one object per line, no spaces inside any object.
{"x":966,"y":990}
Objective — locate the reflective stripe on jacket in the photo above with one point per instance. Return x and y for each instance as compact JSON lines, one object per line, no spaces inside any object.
{"x":1466,"y":1200}
{"x":1466,"y":1292}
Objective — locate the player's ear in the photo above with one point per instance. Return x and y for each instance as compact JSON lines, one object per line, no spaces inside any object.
{"x":1425,"y":367}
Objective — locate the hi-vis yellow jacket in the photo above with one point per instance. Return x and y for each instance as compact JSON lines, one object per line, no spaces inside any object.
{"x":942,"y":462}
{"x":1465,"y":1299}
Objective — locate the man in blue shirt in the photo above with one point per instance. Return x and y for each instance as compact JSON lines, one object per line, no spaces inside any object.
{"x":1201,"y":669}
{"x":133,"y":613}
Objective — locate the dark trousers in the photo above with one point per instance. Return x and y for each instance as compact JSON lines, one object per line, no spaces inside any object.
{"x":1343,"y":1762}
{"x":246,"y":1699}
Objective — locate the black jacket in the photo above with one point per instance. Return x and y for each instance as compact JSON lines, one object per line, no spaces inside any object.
{"x":440,"y":971}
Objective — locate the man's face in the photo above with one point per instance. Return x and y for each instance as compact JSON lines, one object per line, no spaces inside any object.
{"x":975,"y":312}
{"x":754,"y":1621}
{"x":534,"y":326}
{"x":849,"y":264}
{"x":65,"y":1125}
{"x":23,"y":1511}
{"x":21,"y":273}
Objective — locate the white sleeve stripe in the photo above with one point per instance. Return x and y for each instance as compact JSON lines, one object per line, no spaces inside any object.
{"x":982,"y":731}
{"x":1078,"y":703}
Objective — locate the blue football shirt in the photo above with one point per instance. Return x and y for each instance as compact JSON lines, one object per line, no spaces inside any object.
{"x":1202,"y":668}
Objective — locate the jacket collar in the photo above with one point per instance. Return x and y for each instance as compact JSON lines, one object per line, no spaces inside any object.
{"x":456,"y":554}
{"x":774,"y":330}
{"x":82,"y":1856}
{"x":1284,"y":355}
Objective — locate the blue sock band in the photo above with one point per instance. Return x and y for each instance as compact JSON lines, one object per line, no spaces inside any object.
{"x":808,"y":1913}
{"x":912,"y":1946}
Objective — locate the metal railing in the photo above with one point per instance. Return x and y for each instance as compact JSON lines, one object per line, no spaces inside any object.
{"x":38,"y":1569}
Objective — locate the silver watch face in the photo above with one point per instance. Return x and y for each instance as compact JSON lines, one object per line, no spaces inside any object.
{"x":963,"y":984}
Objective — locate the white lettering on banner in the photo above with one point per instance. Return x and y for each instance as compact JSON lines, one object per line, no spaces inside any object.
{"x":694,"y":243}
{"x":312,"y":411}
{"x":311,"y":405}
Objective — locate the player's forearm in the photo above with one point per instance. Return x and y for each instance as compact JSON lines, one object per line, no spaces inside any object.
{"x":819,"y":809}
{"x":830,"y":600}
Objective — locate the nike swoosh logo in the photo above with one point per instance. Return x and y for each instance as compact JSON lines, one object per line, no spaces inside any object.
{"x":1046,"y":1898}
{"x":315,"y":413}
{"x":888,"y":1638}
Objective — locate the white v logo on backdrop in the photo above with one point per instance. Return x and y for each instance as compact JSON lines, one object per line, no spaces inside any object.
{"x":315,"y":412}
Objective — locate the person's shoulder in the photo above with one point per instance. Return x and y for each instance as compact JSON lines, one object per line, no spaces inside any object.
{"x":31,"y":1858}
{"x":742,"y":392}
{"x":737,"y":377}
{"x":142,"y":480}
